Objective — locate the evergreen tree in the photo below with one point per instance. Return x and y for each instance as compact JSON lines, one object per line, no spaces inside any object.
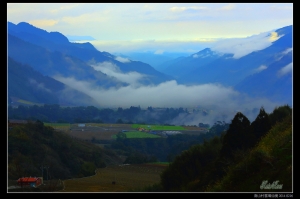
{"x":238,"y":136}
{"x":280,"y":113}
{"x":260,"y":126}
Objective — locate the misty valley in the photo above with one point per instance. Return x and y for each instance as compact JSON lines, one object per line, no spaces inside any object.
{"x":82,"y":120}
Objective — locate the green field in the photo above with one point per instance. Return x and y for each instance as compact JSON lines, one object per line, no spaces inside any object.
{"x":138,"y":134}
{"x":158,"y":127}
{"x":58,"y":126}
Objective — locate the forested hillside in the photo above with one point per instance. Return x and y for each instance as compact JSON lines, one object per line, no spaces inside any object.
{"x":32,"y":145}
{"x":238,"y":161}
{"x":239,"y":158}
{"x":56,"y":113}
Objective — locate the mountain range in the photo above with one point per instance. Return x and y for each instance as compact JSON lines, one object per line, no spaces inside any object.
{"x":265,"y":72}
{"x":51,"y":54}
{"x":37,"y":57}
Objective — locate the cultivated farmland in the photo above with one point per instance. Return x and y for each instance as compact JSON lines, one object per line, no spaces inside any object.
{"x":119,"y":178}
{"x":97,"y":131}
{"x":106,"y":132}
{"x":158,"y":127}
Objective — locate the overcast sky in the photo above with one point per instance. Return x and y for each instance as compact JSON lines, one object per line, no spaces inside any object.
{"x":160,"y":27}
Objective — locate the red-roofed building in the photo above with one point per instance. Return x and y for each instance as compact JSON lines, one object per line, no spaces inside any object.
{"x":30,"y":181}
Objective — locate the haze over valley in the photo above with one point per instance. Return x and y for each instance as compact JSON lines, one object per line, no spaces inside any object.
{"x":219,"y":76}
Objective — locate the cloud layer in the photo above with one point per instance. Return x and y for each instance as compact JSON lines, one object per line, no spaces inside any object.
{"x":243,"y":46}
{"x":286,"y":69}
{"x":113,"y":70}
{"x":260,"y":68}
{"x":222,"y":102}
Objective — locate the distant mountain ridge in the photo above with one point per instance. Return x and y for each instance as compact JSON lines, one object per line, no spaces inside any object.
{"x":26,"y":30}
{"x":265,"y":73}
{"x":51,"y":54}
{"x":186,"y":65}
{"x":27,"y":84}
{"x":56,"y":63}
{"x":86,"y":52}
{"x":208,"y":66}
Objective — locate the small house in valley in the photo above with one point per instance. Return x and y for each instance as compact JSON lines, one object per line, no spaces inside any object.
{"x":30,"y":181}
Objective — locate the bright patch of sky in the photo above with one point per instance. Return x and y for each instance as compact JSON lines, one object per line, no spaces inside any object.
{"x":157,"y":27}
{"x":159,"y":52}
